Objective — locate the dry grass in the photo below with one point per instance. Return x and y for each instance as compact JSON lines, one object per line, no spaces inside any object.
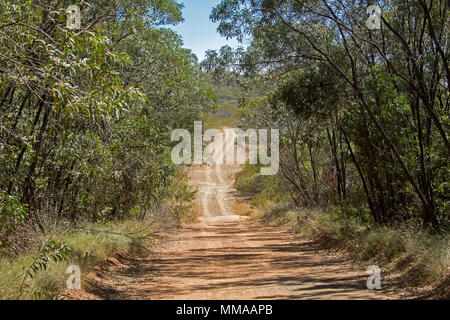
{"x":418,"y":258}
{"x":243,"y":209}
{"x":195,"y":213}
{"x":89,"y":243}
{"x":87,"y":249}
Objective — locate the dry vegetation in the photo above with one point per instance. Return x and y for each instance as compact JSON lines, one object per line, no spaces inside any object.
{"x":418,"y":259}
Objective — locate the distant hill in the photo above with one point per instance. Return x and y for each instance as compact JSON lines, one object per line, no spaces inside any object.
{"x":228,"y":97}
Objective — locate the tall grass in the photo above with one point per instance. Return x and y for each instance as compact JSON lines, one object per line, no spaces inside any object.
{"x":89,"y":243}
{"x":417,"y":255}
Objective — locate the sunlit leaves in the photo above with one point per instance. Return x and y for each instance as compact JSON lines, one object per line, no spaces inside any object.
{"x":86,"y":114}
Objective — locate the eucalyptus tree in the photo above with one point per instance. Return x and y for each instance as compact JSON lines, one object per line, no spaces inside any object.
{"x":85,"y":114}
{"x":394,"y":124}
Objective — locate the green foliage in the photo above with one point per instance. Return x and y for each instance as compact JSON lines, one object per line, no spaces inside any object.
{"x":86,"y":115}
{"x":363,"y":114}
{"x":309,"y":93}
{"x":265,"y":190}
{"x":49,"y":253}
{"x":249,"y":180}
{"x":85,"y":123}
{"x":363,"y":118}
{"x":12,"y":215}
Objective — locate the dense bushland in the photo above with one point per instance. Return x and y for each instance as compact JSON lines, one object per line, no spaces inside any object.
{"x":86,"y":114}
{"x":86,"y":117}
{"x":364,"y":114}
{"x":363,"y":117}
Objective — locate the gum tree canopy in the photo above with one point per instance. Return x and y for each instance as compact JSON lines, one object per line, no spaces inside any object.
{"x":388,"y":112}
{"x":86,"y":115}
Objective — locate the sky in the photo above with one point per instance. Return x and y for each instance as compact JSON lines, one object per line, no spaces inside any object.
{"x":198,"y":32}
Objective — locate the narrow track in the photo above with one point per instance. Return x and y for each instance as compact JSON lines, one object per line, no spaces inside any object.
{"x":227,"y":256}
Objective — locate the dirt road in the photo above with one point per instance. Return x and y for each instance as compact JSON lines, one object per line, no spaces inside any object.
{"x":227,"y":256}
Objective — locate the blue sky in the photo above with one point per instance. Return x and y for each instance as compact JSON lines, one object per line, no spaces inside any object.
{"x":198,"y":32}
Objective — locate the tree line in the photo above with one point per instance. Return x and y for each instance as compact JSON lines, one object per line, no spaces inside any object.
{"x":86,"y":115}
{"x":364,"y":113}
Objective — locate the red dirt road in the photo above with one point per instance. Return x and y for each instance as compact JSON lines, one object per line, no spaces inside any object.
{"x":226,"y":256}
